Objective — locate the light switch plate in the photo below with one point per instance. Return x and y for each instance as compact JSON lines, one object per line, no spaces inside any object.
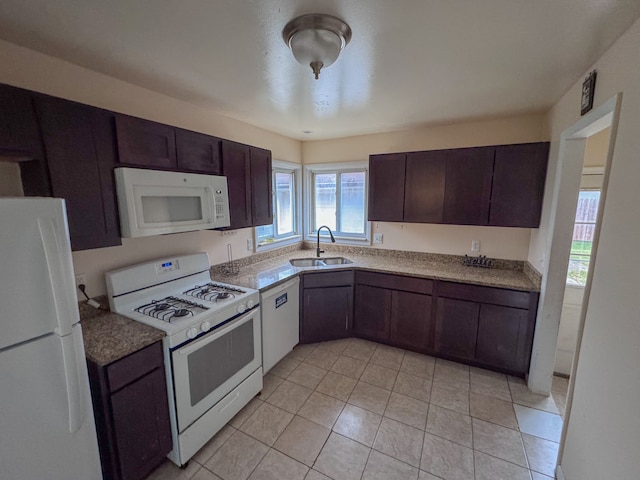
{"x":250,"y":244}
{"x":377,"y":238}
{"x":475,"y":245}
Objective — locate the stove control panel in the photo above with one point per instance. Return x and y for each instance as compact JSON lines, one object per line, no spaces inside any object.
{"x":167,"y":266}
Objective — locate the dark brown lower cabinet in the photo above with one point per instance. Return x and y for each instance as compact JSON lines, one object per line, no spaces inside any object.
{"x":486,"y":326}
{"x":411,"y":325}
{"x":326,"y":306}
{"x":132,"y":414}
{"x":393,"y":309}
{"x":456,"y":328}
{"x":372,"y":313}
{"x":504,"y":337}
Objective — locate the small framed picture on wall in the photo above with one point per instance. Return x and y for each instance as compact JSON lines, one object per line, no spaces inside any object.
{"x":588,"y":91}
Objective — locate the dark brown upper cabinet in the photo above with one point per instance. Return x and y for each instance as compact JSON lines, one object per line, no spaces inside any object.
{"x":261,"y":187}
{"x":236,"y":166}
{"x":467,"y":191}
{"x":249,"y":180}
{"x":386,"y":187}
{"x":497,"y":185}
{"x":198,"y":152}
{"x":80,"y":157}
{"x":425,"y":187}
{"x":518,"y":185}
{"x":19,"y":136}
{"x":145,"y":143}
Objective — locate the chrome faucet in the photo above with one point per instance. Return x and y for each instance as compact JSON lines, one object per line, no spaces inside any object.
{"x":333,"y":240}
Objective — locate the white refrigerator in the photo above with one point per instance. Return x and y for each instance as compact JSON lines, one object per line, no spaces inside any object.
{"x":47,"y":430}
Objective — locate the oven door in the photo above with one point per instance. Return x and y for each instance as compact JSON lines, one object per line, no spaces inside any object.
{"x":208,"y":368}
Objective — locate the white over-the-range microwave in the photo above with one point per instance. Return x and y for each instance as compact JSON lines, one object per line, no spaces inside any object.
{"x":153,"y":202}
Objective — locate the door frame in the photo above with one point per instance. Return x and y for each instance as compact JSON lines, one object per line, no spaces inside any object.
{"x":556,"y":256}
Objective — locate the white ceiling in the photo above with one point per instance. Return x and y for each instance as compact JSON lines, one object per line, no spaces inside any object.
{"x":409,"y":63}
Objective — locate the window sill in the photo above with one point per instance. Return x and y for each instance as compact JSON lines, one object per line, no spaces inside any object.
{"x":339,"y":240}
{"x":278,"y":243}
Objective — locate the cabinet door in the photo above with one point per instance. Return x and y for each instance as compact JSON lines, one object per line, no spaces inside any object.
{"x":326,"y":313}
{"x":198,"y":152}
{"x":145,"y":143}
{"x":456,"y":328}
{"x":261,"y":188}
{"x":372,"y":309}
{"x":386,"y":187}
{"x":236,"y":166}
{"x":424,"y":187}
{"x":518,"y":185}
{"x":81,"y":170}
{"x":468,"y":186}
{"x":502,"y":337}
{"x":411,"y":323}
{"x":141,"y":425}
{"x":19,"y":135}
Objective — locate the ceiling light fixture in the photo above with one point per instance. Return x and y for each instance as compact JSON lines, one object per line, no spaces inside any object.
{"x":316,"y":39}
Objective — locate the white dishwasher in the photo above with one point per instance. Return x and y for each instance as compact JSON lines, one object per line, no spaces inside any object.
{"x":280,"y":308}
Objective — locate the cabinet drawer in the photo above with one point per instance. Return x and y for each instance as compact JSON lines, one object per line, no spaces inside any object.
{"x":134,"y":366}
{"x":491,"y":295}
{"x":395,"y":282}
{"x":327,"y":279}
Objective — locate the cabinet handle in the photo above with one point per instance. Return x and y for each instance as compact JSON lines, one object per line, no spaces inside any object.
{"x":346,"y":322}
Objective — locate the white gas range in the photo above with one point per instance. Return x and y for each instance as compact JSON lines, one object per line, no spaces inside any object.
{"x":213,"y":352}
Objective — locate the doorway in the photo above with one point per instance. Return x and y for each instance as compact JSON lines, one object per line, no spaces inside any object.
{"x":566,"y":186}
{"x":585,"y":224}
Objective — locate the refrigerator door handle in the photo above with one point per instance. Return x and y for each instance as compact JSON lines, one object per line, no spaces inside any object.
{"x":69,"y":355}
{"x":58,"y":277}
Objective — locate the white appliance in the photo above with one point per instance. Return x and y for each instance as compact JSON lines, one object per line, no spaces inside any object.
{"x":47,"y":428}
{"x":213,"y":351}
{"x":153,"y":202}
{"x":280,"y":322}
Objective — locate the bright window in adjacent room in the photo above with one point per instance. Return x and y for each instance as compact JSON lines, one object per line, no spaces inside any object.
{"x":286,"y":200}
{"x":583,"y":232}
{"x":337,"y":198}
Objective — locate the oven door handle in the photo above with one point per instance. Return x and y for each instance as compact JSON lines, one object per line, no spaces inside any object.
{"x":202,"y":341}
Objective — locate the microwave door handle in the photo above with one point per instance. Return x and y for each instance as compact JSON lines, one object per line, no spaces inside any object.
{"x":212,"y":203}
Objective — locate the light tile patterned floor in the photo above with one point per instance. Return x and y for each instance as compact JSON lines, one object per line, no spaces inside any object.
{"x":356,"y":410}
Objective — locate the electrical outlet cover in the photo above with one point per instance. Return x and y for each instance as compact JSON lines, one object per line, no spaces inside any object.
{"x":81,"y":279}
{"x":475,"y":245}
{"x":377,"y":238}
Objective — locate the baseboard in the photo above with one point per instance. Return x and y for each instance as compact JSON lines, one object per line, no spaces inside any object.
{"x":559,"y":474}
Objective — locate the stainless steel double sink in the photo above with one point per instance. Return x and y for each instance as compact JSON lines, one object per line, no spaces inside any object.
{"x":319,"y":262}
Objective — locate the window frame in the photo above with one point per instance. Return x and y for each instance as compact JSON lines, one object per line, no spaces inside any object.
{"x":279,"y":166}
{"x":309,"y":202}
{"x":574,"y":283}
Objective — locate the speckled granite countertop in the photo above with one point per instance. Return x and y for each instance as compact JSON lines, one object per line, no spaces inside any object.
{"x":109,"y":337}
{"x":272,"y":271}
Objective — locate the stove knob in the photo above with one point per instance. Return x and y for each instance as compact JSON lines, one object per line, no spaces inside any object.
{"x":241,"y":308}
{"x":205,"y":326}
{"x":250,"y":304}
{"x":192,"y":333}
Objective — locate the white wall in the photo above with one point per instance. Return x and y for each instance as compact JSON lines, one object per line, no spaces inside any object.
{"x":35,"y":71}
{"x":507,"y":243}
{"x":568,"y":332}
{"x":603,"y":429}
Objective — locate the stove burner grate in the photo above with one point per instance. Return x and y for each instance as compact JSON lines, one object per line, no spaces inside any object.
{"x":169,"y":308}
{"x":213,"y":292}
